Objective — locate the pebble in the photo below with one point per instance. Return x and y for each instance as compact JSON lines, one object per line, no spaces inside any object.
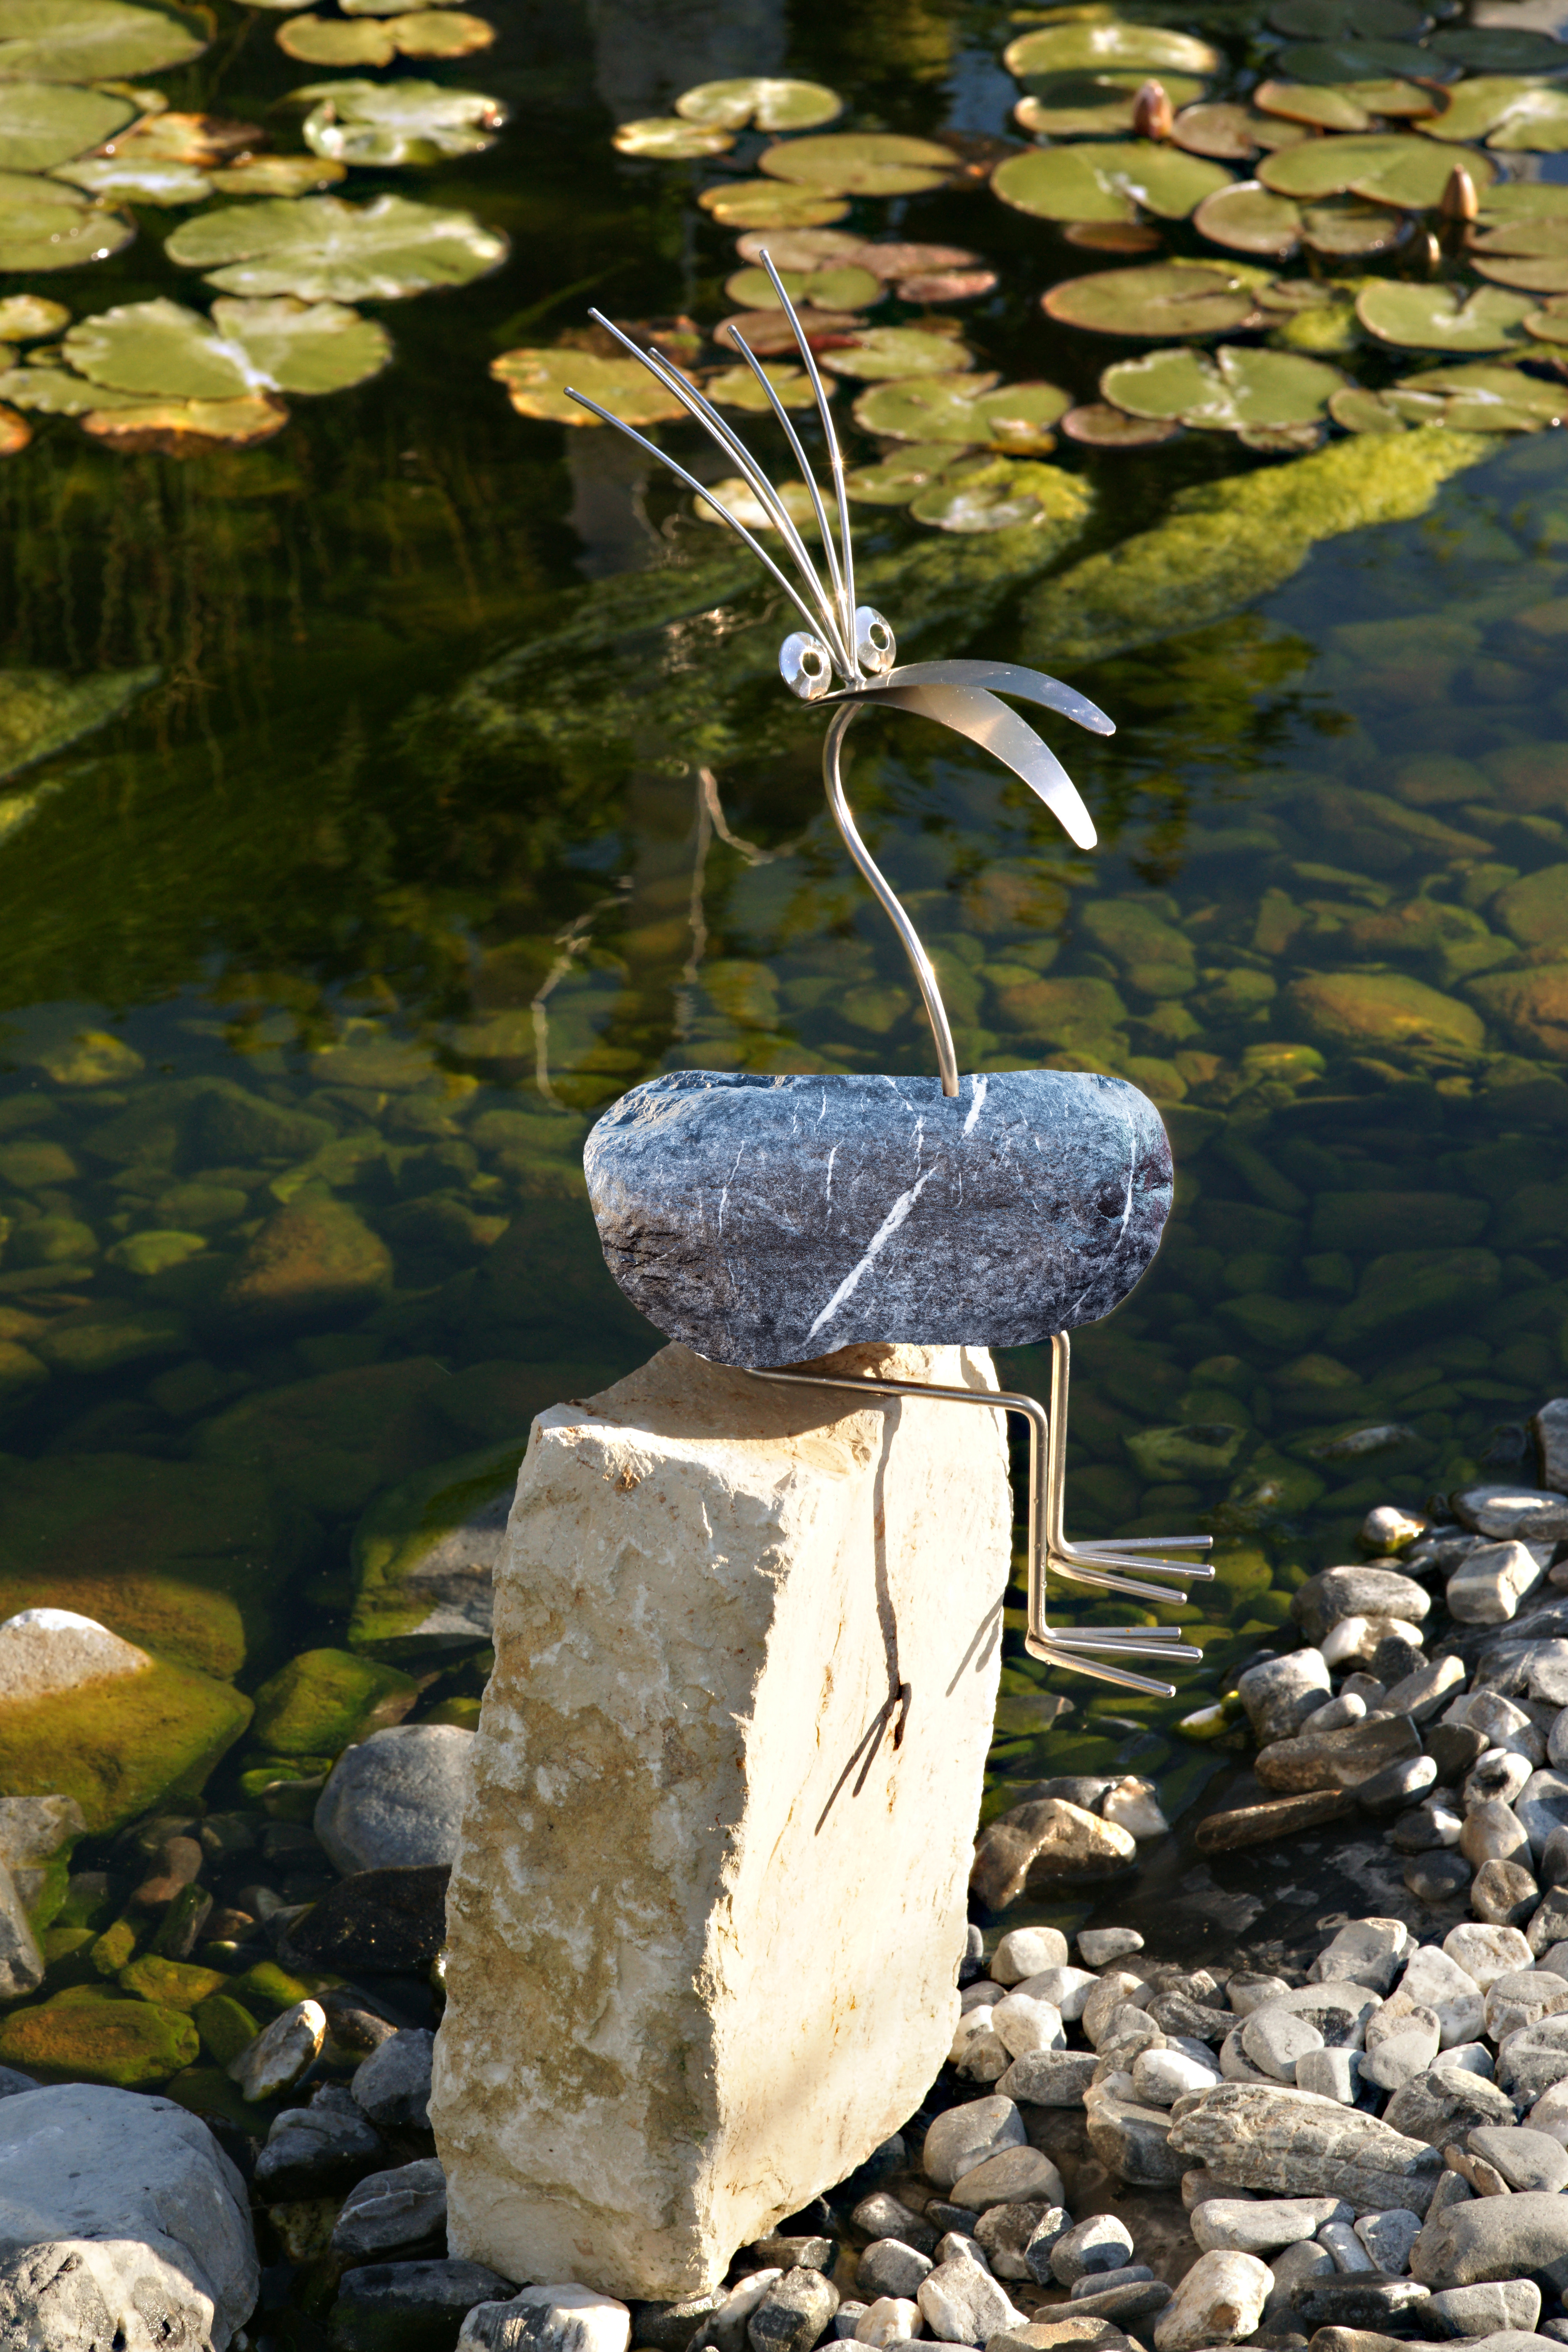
{"x":1021,"y":2023}
{"x":1255,"y":2226}
{"x":1487,"y":2238}
{"x":889,"y":2320}
{"x":396,"y":1798}
{"x":1115,"y":1986}
{"x":1499,"y":2304}
{"x":1350,"y":2300}
{"x":792,"y":2315}
{"x":888,"y":2268}
{"x":1364,"y":1952}
{"x":1388,"y":2238}
{"x":1065,"y":1988}
{"x":883,"y":2216}
{"x":1015,"y":2176}
{"x":1421,"y":1694}
{"x":46,"y":1653}
{"x":1219,"y":2300}
{"x":1049,"y":2078}
{"x":280,"y":2053}
{"x":1100,"y":2243}
{"x":1401,"y":2043}
{"x":1346,"y":2247}
{"x":1107,"y":2282}
{"x":1132,"y":2299}
{"x":1436,"y":1879}
{"x":1097,"y":1946}
{"x":387,"y":2213}
{"x":1526,"y":2159}
{"x":962,"y":2303}
{"x":569,"y":2318}
{"x":1017,"y":2238}
{"x":392,"y":2084}
{"x":1329,"y":2073}
{"x":1488,"y":1585}
{"x":1503,"y":1894}
{"x":1487,"y":1953}
{"x":1499,"y":1775}
{"x":1024,"y":1951}
{"x":1522,"y":1998}
{"x":1159,"y":2077}
{"x":1444,"y":2101}
{"x":966,"y":2134}
{"x":1493,"y":1832}
{"x":319,"y":2151}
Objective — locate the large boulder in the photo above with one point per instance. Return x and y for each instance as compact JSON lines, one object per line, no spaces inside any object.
{"x":121,"y":2224}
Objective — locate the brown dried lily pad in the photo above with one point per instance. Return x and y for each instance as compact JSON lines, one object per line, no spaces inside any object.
{"x":186,"y":428}
{"x":1099,"y":426}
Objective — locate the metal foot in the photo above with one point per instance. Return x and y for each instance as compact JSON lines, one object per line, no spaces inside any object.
{"x":1092,"y":1651}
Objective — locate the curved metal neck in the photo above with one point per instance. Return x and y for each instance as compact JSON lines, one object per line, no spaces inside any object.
{"x":920,"y":963}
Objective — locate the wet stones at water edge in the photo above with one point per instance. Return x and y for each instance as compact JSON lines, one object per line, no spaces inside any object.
{"x":766,"y":1221}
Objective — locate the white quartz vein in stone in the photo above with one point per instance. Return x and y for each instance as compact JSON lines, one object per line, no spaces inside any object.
{"x":724,"y":1195}
{"x":977,"y":1106}
{"x":883,"y":1235}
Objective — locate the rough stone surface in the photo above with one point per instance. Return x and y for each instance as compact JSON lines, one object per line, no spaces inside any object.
{"x":552,"y":2319}
{"x":1049,"y":2078}
{"x":887,"y":2267}
{"x":1289,"y":2141}
{"x":392,"y":2084}
{"x":281,"y":2051}
{"x":1258,"y":2225}
{"x":396,"y":1798}
{"x":1494,"y":2238}
{"x":1484,"y":2310}
{"x":390,"y":2213}
{"x":21,"y":1962}
{"x":765,"y":1220}
{"x":1341,"y":1759}
{"x":45,"y":1653}
{"x":1025,"y":1952}
{"x":1443,"y":2102}
{"x":961,"y":2303}
{"x":121,"y":2222}
{"x":652,"y":2052}
{"x":1049,"y":1839}
{"x":317,"y":2151}
{"x":1279,"y":1693}
{"x":1551,"y":1427}
{"x":1508,"y":1512}
{"x":1219,"y":2300}
{"x":1490,"y":1583}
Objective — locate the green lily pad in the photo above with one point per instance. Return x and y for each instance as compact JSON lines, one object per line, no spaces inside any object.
{"x":1088,"y":47}
{"x":1013,"y":418}
{"x":25,"y":317}
{"x":44,"y":226}
{"x":43,"y":123}
{"x":850,"y":289}
{"x":1167,"y":298}
{"x":860,"y":164}
{"x":94,"y":40}
{"x":1108,"y":183}
{"x":770,"y":104}
{"x":136,"y":180}
{"x":886,"y":353}
{"x":1353,"y":61}
{"x":1483,"y":398}
{"x":1342,"y":106}
{"x":1235,"y":390}
{"x":1487,"y":50}
{"x":1322,"y":331}
{"x":55,"y":391}
{"x":1387,"y":167}
{"x":375,"y":41}
{"x":1548,"y":324}
{"x":161,"y":349}
{"x":536,"y":384}
{"x":277,"y":176}
{"x":1521,"y":200}
{"x":1247,"y":218}
{"x":806,"y":250}
{"x":902,"y":475}
{"x":770,"y":203}
{"x":737,"y":387}
{"x":668,"y":139}
{"x":385,"y":123}
{"x":326,"y":250}
{"x":1348,"y":226}
{"x":1540,"y":274}
{"x":981,"y":494}
{"x":1358,"y":411}
{"x":1534,"y":238}
{"x":1094,"y":105}
{"x":1346,"y":20}
{"x":1437,"y":317}
{"x":1514,"y":116}
{"x":1231,"y":133}
{"x":1101,"y":427}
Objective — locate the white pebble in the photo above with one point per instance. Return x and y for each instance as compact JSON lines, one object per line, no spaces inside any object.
{"x":1098,"y":1946}
{"x":888,"y":2320}
{"x":1346,"y":2247}
{"x":1021,"y":2023}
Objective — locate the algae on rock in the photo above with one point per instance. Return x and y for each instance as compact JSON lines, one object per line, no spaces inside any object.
{"x":425,"y":1554}
{"x":117,"y":1747}
{"x":324,"y":1699}
{"x":1225,"y":543}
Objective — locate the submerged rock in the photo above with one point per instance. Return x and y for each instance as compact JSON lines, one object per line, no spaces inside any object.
{"x":324,"y":1699}
{"x":396,"y":1800}
{"x":762,"y":1220}
{"x":314,"y":1259}
{"x":425,"y":1555}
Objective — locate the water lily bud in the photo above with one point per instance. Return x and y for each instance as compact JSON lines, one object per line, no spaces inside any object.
{"x":1153,"y":115}
{"x":1459,"y":201}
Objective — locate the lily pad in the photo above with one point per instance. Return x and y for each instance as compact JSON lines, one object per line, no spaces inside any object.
{"x":1497,"y":49}
{"x":174,"y":137}
{"x":1249,"y":218}
{"x":979,"y":494}
{"x":337,"y":41}
{"x":44,"y":123}
{"x":1358,"y":411}
{"x":768,"y":103}
{"x":1480,"y":398}
{"x":1437,"y":317}
{"x":536,"y":384}
{"x":25,"y":317}
{"x":1346,"y":20}
{"x":370,"y":122}
{"x":1514,"y":116}
{"x":1540,"y":274}
{"x":1168,"y":297}
{"x":1088,"y":47}
{"x":326,"y":250}
{"x":1548,"y":324}
{"x":277,"y":176}
{"x":1231,"y":133}
{"x":1101,"y":427}
{"x":805,"y":250}
{"x":668,"y":139}
{"x":902,"y":475}
{"x":44,"y":226}
{"x":849,"y":288}
{"x":50,"y":389}
{"x":1521,"y":200}
{"x":181,"y":428}
{"x":1342,"y":106}
{"x":1235,"y":390}
{"x":947,"y":284}
{"x":745,"y":506}
{"x":770,"y":203}
{"x":860,"y":164}
{"x":391,"y":8}
{"x":160,"y":349}
{"x":1353,"y":62}
{"x":885,"y":353}
{"x":737,"y":387}
{"x":1387,"y":167}
{"x":1108,"y":182}
{"x":1094,"y":105}
{"x":769,"y":334}
{"x":137,"y":181}
{"x":94,"y":40}
{"x":1013,"y":418}
{"x":442,"y":32}
{"x":1112,"y":236}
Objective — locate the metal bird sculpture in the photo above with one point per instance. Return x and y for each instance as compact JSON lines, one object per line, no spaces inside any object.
{"x":855,"y":644}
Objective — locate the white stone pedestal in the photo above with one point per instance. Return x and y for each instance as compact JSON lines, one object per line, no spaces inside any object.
{"x":708,"y":1902}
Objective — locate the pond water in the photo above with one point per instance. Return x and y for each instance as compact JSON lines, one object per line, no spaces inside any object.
{"x":442,"y":790}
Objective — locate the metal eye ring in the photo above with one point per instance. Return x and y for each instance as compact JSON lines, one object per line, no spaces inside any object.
{"x":806,"y":666}
{"x":876,"y":648}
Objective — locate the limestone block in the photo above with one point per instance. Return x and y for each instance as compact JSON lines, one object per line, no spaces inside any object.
{"x":705,"y":1921}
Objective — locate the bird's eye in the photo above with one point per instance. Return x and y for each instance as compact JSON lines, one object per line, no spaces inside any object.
{"x":874,"y":643}
{"x":805,"y":667}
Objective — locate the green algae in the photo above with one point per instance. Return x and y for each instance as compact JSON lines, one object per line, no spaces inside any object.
{"x":411,"y":1540}
{"x":226,"y":2027}
{"x":169,"y":1984}
{"x":131,"y":2045}
{"x":1227,"y":543}
{"x":117,"y":1747}
{"x":324,"y":1699}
